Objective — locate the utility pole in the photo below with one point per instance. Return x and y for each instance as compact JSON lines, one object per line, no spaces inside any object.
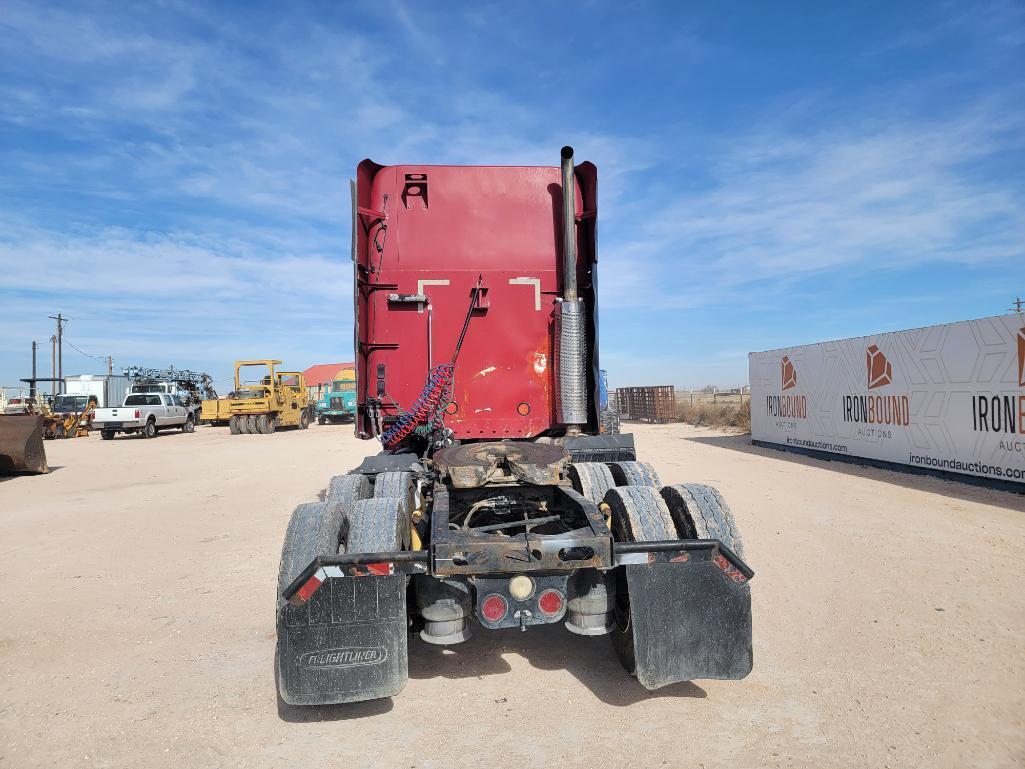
{"x":110,"y":365}
{"x":53,"y":365}
{"x":61,"y":320}
{"x":32,"y":387}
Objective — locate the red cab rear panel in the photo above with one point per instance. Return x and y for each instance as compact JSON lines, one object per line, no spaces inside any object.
{"x":434,"y":231}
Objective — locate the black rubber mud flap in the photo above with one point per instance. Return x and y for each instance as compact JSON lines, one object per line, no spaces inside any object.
{"x":690,"y":622}
{"x":347,"y":644}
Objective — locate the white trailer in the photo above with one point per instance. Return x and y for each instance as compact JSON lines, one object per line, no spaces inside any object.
{"x":943,"y":399}
{"x":109,"y":389}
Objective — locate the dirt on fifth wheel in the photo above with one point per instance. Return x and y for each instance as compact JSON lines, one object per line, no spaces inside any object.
{"x":137,"y":597}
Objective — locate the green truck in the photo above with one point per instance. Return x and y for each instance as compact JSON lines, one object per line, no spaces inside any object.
{"x":338,"y":404}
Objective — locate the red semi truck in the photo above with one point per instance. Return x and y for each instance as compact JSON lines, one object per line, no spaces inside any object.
{"x":496,"y":501}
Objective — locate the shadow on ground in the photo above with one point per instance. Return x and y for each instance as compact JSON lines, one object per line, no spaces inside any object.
{"x":590,"y":660}
{"x":350,"y":711}
{"x":12,"y":476}
{"x":549,"y":647}
{"x":929,"y":483}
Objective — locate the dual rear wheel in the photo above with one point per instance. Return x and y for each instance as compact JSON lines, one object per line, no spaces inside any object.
{"x":640,"y":509}
{"x":253,"y":424}
{"x":355,"y":517}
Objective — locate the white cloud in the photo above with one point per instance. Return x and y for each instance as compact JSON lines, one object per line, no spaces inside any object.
{"x":785,"y":205}
{"x":205,"y":158}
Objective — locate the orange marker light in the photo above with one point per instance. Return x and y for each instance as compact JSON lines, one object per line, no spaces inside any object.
{"x":523,"y":409}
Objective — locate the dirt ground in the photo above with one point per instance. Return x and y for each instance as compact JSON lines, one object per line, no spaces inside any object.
{"x":136,"y":624}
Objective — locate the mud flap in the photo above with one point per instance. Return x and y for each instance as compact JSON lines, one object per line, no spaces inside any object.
{"x":346,"y":644}
{"x":690,"y":621}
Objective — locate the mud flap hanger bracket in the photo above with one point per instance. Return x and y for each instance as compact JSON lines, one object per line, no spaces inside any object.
{"x":623,"y":554}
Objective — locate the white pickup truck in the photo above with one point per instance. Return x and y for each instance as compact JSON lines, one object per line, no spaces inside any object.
{"x":144,"y":413}
{"x":191,"y":401}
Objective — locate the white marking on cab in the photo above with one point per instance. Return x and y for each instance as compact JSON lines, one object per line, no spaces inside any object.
{"x":484,"y":372}
{"x":540,"y":362}
{"x":535,"y":282}
{"x":477,"y":411}
{"x":420,"y":289}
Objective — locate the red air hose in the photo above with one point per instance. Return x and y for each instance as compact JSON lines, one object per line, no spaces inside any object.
{"x":435,"y":395}
{"x":432,"y":399}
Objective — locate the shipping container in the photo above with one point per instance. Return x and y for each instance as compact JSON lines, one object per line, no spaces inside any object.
{"x":650,"y":404}
{"x":946,"y":399}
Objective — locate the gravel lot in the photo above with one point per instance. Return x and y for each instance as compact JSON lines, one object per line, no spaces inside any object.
{"x":137,"y":628}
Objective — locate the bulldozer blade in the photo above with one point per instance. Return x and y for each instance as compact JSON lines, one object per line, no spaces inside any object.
{"x":21,"y":444}
{"x":690,"y":622}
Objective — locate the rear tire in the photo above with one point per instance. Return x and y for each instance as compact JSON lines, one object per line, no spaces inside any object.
{"x":349,"y":489}
{"x":639,"y":514}
{"x":314,"y":530}
{"x":304,"y":420}
{"x":377,"y":526}
{"x":251,"y":428}
{"x":234,"y":425}
{"x":189,"y":426}
{"x":263,"y":425}
{"x":634,"y":474}
{"x":700,"y":512}
{"x":272,"y":424}
{"x":591,"y":479}
{"x":150,"y":430}
{"x":395,"y":485}
{"x":321,"y":421}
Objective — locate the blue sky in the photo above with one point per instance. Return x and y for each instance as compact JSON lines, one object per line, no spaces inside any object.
{"x":174,"y":176}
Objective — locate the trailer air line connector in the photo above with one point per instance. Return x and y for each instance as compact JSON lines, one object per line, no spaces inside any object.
{"x":570,"y":319}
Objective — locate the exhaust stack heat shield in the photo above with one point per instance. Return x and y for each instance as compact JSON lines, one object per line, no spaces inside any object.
{"x":570,"y":341}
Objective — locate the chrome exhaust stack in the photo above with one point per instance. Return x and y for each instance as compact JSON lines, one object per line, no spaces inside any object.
{"x":571,"y":317}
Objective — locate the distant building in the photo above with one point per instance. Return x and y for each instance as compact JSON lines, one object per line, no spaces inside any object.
{"x":320,"y":377}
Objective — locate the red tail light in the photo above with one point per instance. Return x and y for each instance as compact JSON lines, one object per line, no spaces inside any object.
{"x":494,"y":608}
{"x":137,"y":413}
{"x":550,"y":602}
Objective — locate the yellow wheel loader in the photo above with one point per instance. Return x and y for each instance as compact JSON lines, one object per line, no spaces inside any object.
{"x":276,"y":399}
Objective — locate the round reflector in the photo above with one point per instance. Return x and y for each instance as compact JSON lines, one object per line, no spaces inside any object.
{"x":520,"y":587}
{"x":523,"y":409}
{"x":494,"y":607}
{"x":451,"y":408}
{"x":550,"y":602}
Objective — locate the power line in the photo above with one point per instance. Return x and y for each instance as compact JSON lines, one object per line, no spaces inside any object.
{"x":80,"y":352}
